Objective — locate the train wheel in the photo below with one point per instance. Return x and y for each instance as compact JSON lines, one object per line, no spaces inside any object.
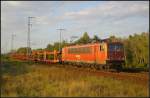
{"x":92,"y":66}
{"x":78,"y":65}
{"x":108,"y":67}
{"x":119,"y":68}
{"x":87,"y":65}
{"x":97,"y":66}
{"x":100,"y":67}
{"x":105,"y":67}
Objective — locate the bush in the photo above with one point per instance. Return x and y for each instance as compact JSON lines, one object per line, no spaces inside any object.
{"x":51,"y":81}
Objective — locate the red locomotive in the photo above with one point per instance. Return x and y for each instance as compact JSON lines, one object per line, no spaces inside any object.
{"x":99,"y":55}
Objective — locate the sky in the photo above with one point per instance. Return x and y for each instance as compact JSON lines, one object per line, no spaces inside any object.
{"x":101,"y":18}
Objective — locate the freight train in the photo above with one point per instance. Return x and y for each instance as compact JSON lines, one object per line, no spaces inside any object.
{"x":102,"y":55}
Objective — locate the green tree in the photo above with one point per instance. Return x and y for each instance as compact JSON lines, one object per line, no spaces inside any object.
{"x":84,"y":39}
{"x":23,"y":50}
{"x":56,"y":46}
{"x":64,"y":43}
{"x":136,"y":49}
{"x":50,"y":47}
{"x":96,"y":38}
{"x":39,"y":49}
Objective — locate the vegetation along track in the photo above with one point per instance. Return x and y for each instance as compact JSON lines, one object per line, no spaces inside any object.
{"x":138,"y":77}
{"x":134,"y":77}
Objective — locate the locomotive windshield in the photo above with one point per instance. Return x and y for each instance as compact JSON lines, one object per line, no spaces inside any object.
{"x":115,"y":47}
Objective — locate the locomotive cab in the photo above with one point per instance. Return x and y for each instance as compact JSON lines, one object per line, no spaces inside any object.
{"x":115,"y":54}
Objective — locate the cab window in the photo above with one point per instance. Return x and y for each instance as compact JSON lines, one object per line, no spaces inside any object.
{"x":101,"y":48}
{"x":115,"y":47}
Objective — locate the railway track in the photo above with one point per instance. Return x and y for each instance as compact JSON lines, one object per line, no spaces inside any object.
{"x":136,"y":78}
{"x":139,"y":77}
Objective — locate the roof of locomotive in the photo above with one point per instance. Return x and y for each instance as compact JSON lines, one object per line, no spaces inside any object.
{"x":91,"y":44}
{"x":83,"y":45}
{"x":115,"y":43}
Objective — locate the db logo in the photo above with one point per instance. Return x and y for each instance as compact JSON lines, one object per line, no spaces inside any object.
{"x":78,"y":56}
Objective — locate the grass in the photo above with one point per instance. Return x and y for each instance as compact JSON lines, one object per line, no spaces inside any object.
{"x":21,"y":79}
